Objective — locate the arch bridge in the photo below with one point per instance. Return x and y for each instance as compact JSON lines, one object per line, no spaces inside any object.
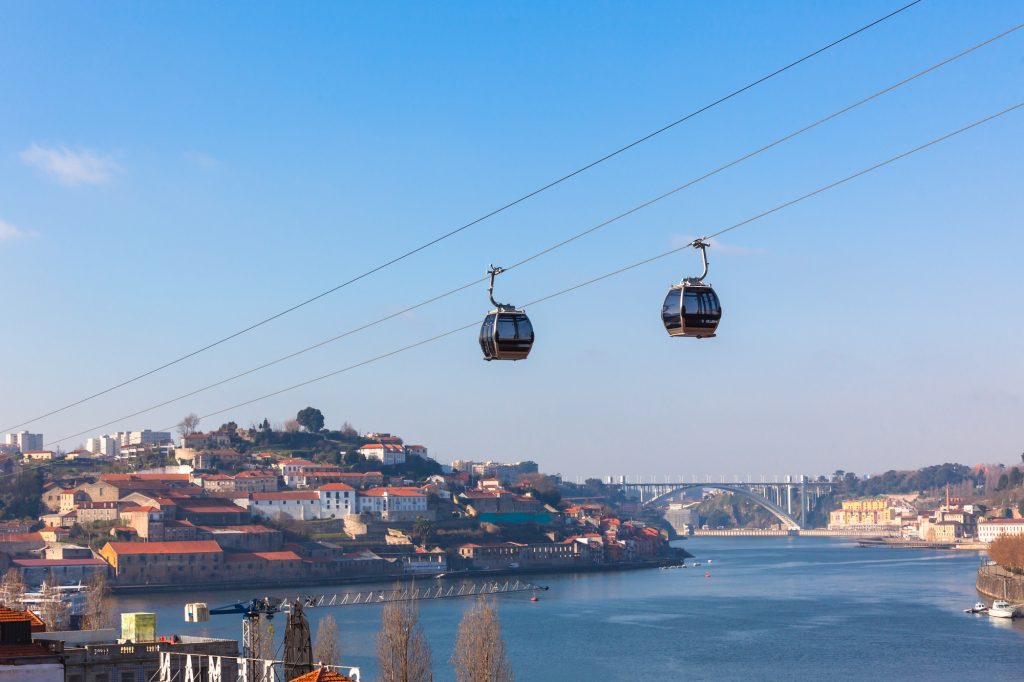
{"x":777,"y":498}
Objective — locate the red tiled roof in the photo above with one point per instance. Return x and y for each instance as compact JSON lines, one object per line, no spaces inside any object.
{"x":205,"y":501}
{"x":382,"y":446}
{"x":394,"y":492}
{"x":322,"y":675}
{"x":114,"y":478}
{"x":336,"y":486}
{"x":44,"y":563}
{"x":287,"y":495}
{"x":255,"y":474}
{"x":11,"y":615}
{"x":263,"y":556}
{"x":1002,"y":520}
{"x":180,"y":547}
{"x":295,"y":461}
{"x":20,"y":537}
{"x":278,"y":556}
{"x":140,"y":509}
{"x":214,"y":509}
{"x":244,"y":528}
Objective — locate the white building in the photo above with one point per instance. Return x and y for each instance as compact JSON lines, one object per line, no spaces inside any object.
{"x":107,"y":446}
{"x":386,"y":453}
{"x":299,"y":505}
{"x":145,"y":437}
{"x":989,"y":530}
{"x":416,"y":451}
{"x":337,"y":500}
{"x":25,"y":441}
{"x":383,"y":501}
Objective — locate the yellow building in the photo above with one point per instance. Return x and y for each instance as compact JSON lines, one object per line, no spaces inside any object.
{"x":868,"y":511}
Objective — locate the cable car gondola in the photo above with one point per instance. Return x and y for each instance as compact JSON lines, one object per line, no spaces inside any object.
{"x":506,"y":333}
{"x":691,"y":307}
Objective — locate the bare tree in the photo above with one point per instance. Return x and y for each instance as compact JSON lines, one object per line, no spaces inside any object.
{"x":480,"y":654}
{"x":189,"y":424}
{"x":12,"y":589}
{"x":292,"y":426}
{"x":98,"y":611}
{"x":327,"y":648}
{"x":53,"y":610}
{"x":403,"y":654}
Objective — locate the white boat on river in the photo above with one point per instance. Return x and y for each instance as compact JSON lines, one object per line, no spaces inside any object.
{"x":1002,"y":609}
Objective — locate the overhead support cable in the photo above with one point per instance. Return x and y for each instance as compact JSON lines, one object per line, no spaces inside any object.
{"x":574,"y":237}
{"x":470,"y":224}
{"x":614,"y":273}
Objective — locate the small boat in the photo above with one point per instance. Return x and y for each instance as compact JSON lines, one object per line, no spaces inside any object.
{"x":696,"y":563}
{"x":1002,"y":609}
{"x":534,"y":599}
{"x":709,"y":562}
{"x":980,"y":607}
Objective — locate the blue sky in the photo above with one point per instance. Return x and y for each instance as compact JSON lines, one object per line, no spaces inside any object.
{"x":170,"y":173}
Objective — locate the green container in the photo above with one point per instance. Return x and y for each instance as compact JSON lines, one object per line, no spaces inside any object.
{"x":138,"y":627}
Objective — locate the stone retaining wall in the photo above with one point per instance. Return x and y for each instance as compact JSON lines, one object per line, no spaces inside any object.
{"x":995,"y":582}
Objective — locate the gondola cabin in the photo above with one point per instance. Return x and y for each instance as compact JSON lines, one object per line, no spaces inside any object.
{"x":506,"y":334}
{"x":691,"y":310}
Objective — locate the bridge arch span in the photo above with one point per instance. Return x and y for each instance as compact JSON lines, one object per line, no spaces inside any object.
{"x":777,"y":511}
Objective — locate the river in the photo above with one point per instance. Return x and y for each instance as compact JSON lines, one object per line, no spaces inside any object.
{"x":772,"y":608}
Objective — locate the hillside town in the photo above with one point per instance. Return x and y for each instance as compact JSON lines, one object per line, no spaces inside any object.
{"x":303,"y":505}
{"x":235,"y":506}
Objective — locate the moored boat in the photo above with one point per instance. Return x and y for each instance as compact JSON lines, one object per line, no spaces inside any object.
{"x":979,"y":607}
{"x":1002,"y":609}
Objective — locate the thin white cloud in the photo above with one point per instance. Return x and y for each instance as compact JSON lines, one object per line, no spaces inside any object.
{"x":71,"y":166}
{"x":10,"y":232}
{"x":202,"y":160}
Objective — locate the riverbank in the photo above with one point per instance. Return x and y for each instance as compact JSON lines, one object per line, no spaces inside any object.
{"x":904,"y":543}
{"x":995,"y":582}
{"x":486,"y":574}
{"x":767,"y":598}
{"x":765,"y":533}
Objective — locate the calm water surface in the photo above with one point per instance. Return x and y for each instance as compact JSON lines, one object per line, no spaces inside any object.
{"x":773,"y":608}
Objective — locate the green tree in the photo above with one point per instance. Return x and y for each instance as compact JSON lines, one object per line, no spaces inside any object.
{"x":544,"y":488}
{"x":310,"y":419}
{"x":21,"y":495}
{"x":422,"y":531}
